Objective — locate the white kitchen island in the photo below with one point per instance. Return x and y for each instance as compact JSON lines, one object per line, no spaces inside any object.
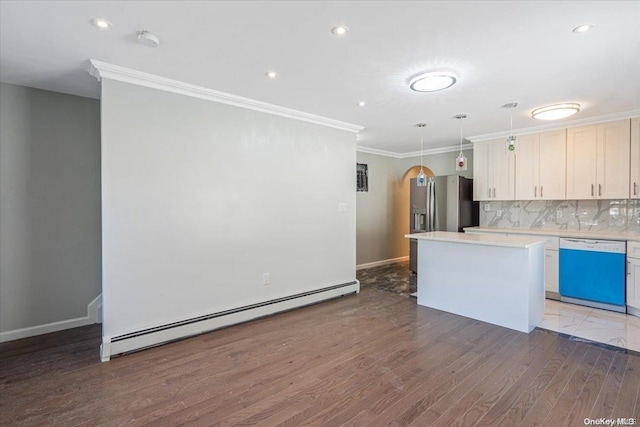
{"x":492,"y":278}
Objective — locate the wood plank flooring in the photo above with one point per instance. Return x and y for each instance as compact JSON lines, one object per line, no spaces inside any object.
{"x":365,"y":360}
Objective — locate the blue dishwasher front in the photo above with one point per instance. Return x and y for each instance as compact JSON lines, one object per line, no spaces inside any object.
{"x":592,"y":272}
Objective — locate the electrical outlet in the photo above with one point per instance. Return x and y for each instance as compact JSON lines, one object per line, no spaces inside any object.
{"x":266,"y":279}
{"x":342,"y":207}
{"x":499,"y":212}
{"x":559,"y":214}
{"x":487,"y":207}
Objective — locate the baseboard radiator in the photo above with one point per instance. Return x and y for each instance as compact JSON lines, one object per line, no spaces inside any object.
{"x":162,"y":334}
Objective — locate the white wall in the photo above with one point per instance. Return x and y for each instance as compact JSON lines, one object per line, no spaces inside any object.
{"x":199,"y":199}
{"x":49,"y":208}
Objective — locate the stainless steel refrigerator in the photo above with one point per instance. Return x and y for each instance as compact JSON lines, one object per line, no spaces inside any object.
{"x":444,"y":204}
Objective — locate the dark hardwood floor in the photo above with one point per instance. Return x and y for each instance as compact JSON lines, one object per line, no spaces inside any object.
{"x":369,"y":360}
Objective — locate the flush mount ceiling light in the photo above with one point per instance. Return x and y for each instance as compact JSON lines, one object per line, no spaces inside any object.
{"x":271,"y":74}
{"x":582,"y":28}
{"x":361,"y":104}
{"x":555,"y":112}
{"x":148,"y":39}
{"x":340,"y":30}
{"x":101,"y":23}
{"x":433,"y":81}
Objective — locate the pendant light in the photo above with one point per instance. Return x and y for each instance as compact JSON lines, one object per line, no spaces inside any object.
{"x":511,"y":139}
{"x":422,"y":177}
{"x":461,"y":160}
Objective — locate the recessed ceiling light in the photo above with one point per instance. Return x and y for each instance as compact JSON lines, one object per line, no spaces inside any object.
{"x":271,"y":74}
{"x":101,"y":23}
{"x":361,"y":104}
{"x":340,"y":30}
{"x":582,"y":28}
{"x":432,"y":81}
{"x":555,"y":112}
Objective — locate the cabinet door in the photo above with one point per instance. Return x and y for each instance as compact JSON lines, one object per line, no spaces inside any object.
{"x":551,"y":270}
{"x":634,"y":182}
{"x":633,"y":283}
{"x":613,"y":153}
{"x":552,"y":165}
{"x":527,"y":167}
{"x":502,"y":162}
{"x":581,"y":162}
{"x":480,"y":171}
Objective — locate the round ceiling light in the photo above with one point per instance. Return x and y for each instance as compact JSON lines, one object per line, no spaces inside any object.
{"x":582,"y":28}
{"x":271,"y":74}
{"x":361,"y":104}
{"x":555,"y":112}
{"x":101,"y":23}
{"x":432,"y":81}
{"x":340,"y":30}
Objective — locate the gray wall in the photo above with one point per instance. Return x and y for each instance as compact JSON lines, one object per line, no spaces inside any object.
{"x":378,"y":221}
{"x":199,"y":199}
{"x":383,"y":211}
{"x":49,"y":206}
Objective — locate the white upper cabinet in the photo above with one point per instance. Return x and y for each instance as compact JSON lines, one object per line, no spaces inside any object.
{"x":493,"y":171}
{"x":634,"y":182}
{"x":540,"y":166}
{"x":598,"y":161}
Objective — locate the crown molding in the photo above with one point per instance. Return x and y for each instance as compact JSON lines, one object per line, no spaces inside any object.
{"x":429,"y":152}
{"x":557,"y":126}
{"x":101,"y":70}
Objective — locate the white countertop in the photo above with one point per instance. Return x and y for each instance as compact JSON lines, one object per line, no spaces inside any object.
{"x":561,"y":233}
{"x":479,"y":239}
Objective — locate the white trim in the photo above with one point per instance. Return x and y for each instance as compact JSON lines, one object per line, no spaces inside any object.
{"x":113,"y":345}
{"x":94,"y":309}
{"x":101,"y":70}
{"x":383,"y":262}
{"x":557,"y":126}
{"x":433,"y":151}
{"x":429,"y":152}
{"x":633,"y":311}
{"x":94,"y":312}
{"x":16,"y":334}
{"x":377,"y":151}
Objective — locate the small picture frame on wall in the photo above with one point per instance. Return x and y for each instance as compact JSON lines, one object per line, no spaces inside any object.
{"x":362,"y":177}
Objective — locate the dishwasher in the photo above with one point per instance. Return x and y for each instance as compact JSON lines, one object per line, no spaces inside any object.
{"x":592,"y":273}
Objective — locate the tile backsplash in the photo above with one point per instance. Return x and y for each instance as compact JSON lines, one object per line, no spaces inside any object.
{"x":579,"y":215}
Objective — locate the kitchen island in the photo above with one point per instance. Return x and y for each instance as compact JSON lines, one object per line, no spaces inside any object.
{"x":492,"y":278}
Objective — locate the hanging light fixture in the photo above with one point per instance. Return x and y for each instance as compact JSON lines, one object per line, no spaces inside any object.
{"x":511,"y":139}
{"x":422,"y":177}
{"x":461,"y":160}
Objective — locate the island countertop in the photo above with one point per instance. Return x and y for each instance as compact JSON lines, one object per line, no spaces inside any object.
{"x":479,"y":239}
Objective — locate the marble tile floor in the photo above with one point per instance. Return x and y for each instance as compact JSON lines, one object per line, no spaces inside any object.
{"x":575,"y":321}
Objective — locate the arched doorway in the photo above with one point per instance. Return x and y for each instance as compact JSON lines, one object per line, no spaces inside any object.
{"x":401,"y":201}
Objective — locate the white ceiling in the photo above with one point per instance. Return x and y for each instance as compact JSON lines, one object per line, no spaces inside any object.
{"x":502,"y":51}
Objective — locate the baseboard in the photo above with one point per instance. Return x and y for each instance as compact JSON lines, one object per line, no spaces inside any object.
{"x":383,"y":262}
{"x":633,"y":311}
{"x":16,"y":334}
{"x":94,"y":315}
{"x":170,"y":332}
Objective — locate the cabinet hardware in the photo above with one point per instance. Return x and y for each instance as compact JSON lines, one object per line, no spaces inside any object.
{"x":599,"y":189}
{"x":635,"y":188}
{"x":494,"y":192}
{"x":628,"y":268}
{"x":541,"y":191}
{"x":535,"y":191}
{"x":489,"y":193}
{"x":591,"y":189}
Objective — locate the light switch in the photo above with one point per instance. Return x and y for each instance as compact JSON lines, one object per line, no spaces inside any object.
{"x":487,"y":207}
{"x":342,"y":207}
